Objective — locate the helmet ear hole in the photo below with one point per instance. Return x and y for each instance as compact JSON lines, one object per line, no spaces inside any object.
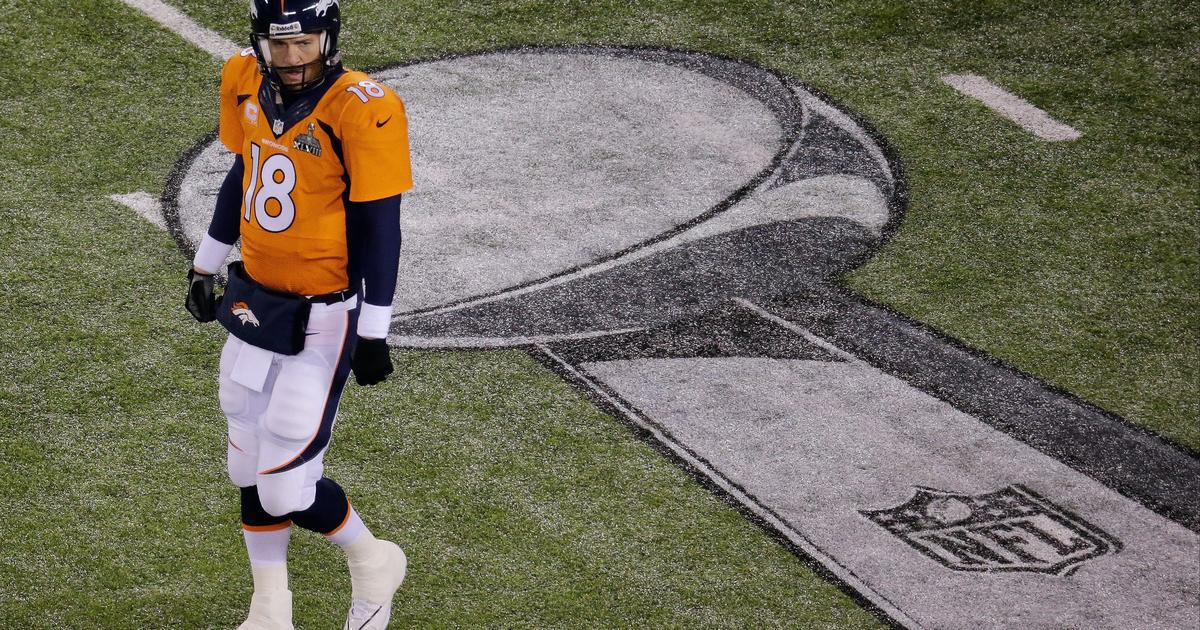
{"x":324,"y":43}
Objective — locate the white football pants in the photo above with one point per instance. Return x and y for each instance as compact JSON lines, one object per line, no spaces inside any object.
{"x":281,"y":409}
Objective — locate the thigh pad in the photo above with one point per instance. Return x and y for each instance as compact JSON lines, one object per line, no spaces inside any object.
{"x":298,"y":399}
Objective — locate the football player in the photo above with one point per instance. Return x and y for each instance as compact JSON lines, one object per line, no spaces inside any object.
{"x":322,"y":158}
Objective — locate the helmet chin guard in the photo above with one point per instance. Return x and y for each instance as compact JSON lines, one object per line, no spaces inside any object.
{"x":281,"y":19}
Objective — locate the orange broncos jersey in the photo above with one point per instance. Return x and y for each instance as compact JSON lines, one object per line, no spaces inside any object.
{"x":293,"y":221}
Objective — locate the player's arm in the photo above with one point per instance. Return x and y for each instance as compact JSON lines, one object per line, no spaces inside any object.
{"x":374,"y":241}
{"x":225,"y":228}
{"x":222,"y":233}
{"x":376,"y":157}
{"x":377,"y":241}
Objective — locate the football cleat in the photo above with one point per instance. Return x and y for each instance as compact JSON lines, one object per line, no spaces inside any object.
{"x":367,"y":616}
{"x":373,"y":583}
{"x":269,"y":610}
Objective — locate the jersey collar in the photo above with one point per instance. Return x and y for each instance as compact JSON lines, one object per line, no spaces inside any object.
{"x":283,"y":118}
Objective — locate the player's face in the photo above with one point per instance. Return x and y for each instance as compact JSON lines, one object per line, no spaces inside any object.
{"x":296,"y":58}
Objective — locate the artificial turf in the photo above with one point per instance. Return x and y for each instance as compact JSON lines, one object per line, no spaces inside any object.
{"x":520,"y":503}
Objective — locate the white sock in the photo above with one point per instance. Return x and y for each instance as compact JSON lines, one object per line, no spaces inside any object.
{"x":349,"y":531}
{"x":362,"y":551}
{"x":267,"y":549}
{"x":269,"y":577}
{"x":369,"y":569}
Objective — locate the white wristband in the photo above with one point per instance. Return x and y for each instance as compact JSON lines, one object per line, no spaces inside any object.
{"x":211,"y":255}
{"x":373,"y":321}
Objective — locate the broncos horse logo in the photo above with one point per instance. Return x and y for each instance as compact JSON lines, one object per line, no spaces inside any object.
{"x":243,"y":312}
{"x":322,"y":6}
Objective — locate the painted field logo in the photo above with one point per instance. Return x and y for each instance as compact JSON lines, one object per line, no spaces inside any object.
{"x":1014,"y":529}
{"x":668,"y":230}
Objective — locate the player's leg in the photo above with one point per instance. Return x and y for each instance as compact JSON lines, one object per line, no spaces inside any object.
{"x":377,"y":567}
{"x":266,"y":536}
{"x":298,"y":426}
{"x":299,"y":418}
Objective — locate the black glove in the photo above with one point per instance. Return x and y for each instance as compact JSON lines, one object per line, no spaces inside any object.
{"x":370,"y":361}
{"x":201,"y":302}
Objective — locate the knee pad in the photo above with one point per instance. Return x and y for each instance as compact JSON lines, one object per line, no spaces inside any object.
{"x":328,"y":510}
{"x":253,"y":513}
{"x":285,"y":492}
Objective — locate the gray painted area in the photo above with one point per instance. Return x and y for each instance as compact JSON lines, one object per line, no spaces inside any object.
{"x":535,"y":163}
{"x":821,"y":200}
{"x":1133,"y":462}
{"x":752,"y":249}
{"x":816,"y":442}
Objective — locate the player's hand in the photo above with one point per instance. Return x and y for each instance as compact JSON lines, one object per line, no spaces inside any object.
{"x":201,"y":302}
{"x":370,"y":361}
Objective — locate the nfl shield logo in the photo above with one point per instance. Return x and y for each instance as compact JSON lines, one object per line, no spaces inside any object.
{"x":1013,"y":529}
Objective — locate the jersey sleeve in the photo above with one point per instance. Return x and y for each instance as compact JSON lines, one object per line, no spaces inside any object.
{"x":376,"y":147}
{"x":230,"y":129}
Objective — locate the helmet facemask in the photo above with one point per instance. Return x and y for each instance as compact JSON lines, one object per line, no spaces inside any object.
{"x":318,"y":69}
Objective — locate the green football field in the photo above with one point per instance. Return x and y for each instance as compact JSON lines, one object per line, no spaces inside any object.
{"x":519,"y":502}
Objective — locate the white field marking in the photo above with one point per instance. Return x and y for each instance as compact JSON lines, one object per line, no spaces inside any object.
{"x":847,"y":124}
{"x":843,"y":573}
{"x":145,"y":205}
{"x":1011,"y":106}
{"x":498,"y":342}
{"x":799,"y":330}
{"x":176,"y":21}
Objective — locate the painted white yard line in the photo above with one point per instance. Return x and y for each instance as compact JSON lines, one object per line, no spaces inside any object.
{"x":145,"y":205}
{"x":500,"y":342}
{"x":799,"y":330}
{"x":176,"y":21}
{"x":1011,"y":106}
{"x":842,"y":572}
{"x":211,"y":42}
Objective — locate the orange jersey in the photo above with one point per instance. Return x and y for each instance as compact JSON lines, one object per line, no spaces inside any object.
{"x":353,"y":140}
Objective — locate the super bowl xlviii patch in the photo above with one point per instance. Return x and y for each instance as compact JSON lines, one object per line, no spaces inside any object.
{"x":307,"y":142}
{"x":1013,"y":529}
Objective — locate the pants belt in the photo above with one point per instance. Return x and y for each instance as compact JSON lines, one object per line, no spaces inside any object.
{"x":332,"y":298}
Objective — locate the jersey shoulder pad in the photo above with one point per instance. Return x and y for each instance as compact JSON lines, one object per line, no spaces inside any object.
{"x":240,"y":70}
{"x":364,"y":100}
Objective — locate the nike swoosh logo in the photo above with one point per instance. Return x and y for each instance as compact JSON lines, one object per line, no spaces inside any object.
{"x":364,"y":624}
{"x":380,"y":124}
{"x":308,"y":334}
